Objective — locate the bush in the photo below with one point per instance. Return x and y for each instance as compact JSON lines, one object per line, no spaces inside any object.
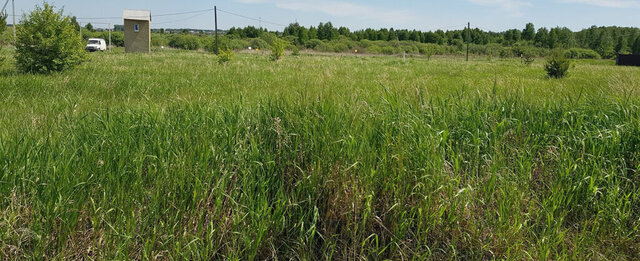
{"x":374,"y":49}
{"x":185,"y":41}
{"x":295,"y":51}
{"x":557,"y":65}
{"x":579,"y":53}
{"x":527,"y":59}
{"x":117,"y":38}
{"x":157,"y":40}
{"x":277,"y":50}
{"x":269,"y":38}
{"x":47,"y":42}
{"x":313,"y":43}
{"x":323,"y":47}
{"x":339,"y":47}
{"x":258,"y":44}
{"x":225,"y":56}
{"x":389,"y":50}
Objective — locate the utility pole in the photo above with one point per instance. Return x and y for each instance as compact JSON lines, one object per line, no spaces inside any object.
{"x":109,"y":37}
{"x":468,"y":38}
{"x":13,"y":6}
{"x":215,"y":16}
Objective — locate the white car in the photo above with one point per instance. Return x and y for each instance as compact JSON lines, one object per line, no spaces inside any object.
{"x":96,"y":44}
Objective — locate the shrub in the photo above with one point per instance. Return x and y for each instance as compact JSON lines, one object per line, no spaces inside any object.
{"x":295,"y":51}
{"x":557,"y":65}
{"x":269,"y":38}
{"x":185,"y":41}
{"x":506,"y":53}
{"x":313,"y":43}
{"x":47,"y":42}
{"x":158,"y":40}
{"x":374,"y":49}
{"x":258,"y":44}
{"x":527,"y":59}
{"x":579,"y":53}
{"x":117,"y":38}
{"x":238,"y":44}
{"x":339,"y":47}
{"x":225,"y":56}
{"x":323,"y":47}
{"x":389,"y":50}
{"x":277,"y":50}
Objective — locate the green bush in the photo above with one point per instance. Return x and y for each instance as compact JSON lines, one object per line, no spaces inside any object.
{"x":295,"y":51}
{"x":277,"y":50}
{"x":117,"y":38}
{"x":158,"y":40}
{"x":269,"y":38}
{"x":225,"y":56}
{"x":313,"y":43}
{"x":339,"y":47}
{"x":557,"y":65}
{"x":579,"y":53}
{"x":185,"y":41}
{"x":323,"y":47}
{"x":47,"y":42}
{"x":374,"y":49}
{"x":389,"y":50}
{"x":257,"y":43}
{"x":527,"y":59}
{"x":238,"y":44}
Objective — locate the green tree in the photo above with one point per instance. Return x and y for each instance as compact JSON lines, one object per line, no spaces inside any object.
{"x":557,"y":65}
{"x":542,"y":37}
{"x":604,"y":45}
{"x":636,"y":46}
{"x":89,"y":27}
{"x":621,"y":46}
{"x":277,"y":50}
{"x":47,"y":41}
{"x":529,"y":32}
{"x":74,"y":22}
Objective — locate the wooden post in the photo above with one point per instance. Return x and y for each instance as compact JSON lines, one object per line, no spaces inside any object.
{"x":215,"y":15}
{"x":468,"y":39}
{"x":13,"y":7}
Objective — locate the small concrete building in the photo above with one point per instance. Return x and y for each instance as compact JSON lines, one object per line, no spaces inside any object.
{"x":137,"y":31}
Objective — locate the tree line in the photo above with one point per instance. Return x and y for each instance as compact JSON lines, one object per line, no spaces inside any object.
{"x":606,"y":41}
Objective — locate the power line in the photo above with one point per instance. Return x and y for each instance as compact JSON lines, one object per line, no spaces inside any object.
{"x":180,"y":20}
{"x":251,"y":18}
{"x":160,"y":15}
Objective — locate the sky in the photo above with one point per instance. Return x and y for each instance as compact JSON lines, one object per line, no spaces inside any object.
{"x":493,"y":15}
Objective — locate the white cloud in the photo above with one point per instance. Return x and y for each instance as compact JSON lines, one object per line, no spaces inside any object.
{"x":514,"y":7}
{"x":608,"y":3}
{"x":342,"y":9}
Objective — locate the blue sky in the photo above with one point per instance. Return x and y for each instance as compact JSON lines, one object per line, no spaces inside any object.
{"x":496,"y":15}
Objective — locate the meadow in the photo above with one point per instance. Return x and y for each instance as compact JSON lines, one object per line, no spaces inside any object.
{"x":172,"y":155}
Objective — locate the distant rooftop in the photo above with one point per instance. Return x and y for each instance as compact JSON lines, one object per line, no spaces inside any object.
{"x":137,"y":15}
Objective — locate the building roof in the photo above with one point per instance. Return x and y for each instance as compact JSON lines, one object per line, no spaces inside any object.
{"x":141,"y":15}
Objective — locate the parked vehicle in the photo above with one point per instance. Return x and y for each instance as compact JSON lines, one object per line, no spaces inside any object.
{"x":96,"y":44}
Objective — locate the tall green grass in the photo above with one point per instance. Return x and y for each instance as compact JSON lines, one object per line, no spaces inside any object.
{"x":173,"y":156}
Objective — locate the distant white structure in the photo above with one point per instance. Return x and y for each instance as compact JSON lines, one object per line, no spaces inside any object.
{"x":137,"y":31}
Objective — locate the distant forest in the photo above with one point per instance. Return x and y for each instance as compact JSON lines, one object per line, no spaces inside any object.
{"x":591,"y":43}
{"x":606,"y":41}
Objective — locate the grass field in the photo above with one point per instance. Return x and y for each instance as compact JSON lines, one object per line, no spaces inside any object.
{"x":174,"y":156}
